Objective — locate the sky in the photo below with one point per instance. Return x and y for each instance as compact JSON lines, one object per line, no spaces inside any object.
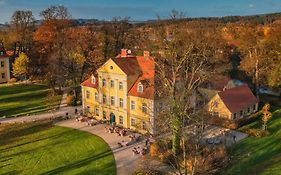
{"x":142,"y":9}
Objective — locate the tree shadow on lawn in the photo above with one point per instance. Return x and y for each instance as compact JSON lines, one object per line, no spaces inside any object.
{"x":13,"y":131}
{"x":80,"y":163}
{"x":25,"y":96}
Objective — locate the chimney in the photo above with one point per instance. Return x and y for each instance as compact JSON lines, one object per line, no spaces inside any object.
{"x":146,"y":53}
{"x":124,"y":52}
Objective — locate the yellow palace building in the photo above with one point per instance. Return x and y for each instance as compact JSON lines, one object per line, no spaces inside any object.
{"x":122,"y":91}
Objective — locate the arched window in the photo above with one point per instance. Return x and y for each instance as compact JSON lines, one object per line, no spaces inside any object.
{"x":93,"y":79}
{"x":140,"y":88}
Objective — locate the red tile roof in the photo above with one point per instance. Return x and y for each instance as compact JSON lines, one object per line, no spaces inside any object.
{"x":238,"y":98}
{"x":129,"y":65}
{"x":217,"y":83}
{"x":147,"y":66}
{"x":88,"y":83}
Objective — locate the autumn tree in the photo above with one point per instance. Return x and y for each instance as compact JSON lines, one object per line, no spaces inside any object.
{"x":22,"y":26}
{"x":186,"y":57}
{"x":51,"y":40}
{"x":20,"y":66}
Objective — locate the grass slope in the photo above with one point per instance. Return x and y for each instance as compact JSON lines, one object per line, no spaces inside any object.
{"x":41,"y":148}
{"x":21,"y":99}
{"x":260,"y":156}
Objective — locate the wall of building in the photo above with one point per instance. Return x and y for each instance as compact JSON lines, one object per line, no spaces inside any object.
{"x":5,"y":70}
{"x":216,"y":107}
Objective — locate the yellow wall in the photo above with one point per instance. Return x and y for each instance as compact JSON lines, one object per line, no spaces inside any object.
{"x":117,"y":75}
{"x":221,"y":108}
{"x":5,"y":70}
{"x":138,"y":114}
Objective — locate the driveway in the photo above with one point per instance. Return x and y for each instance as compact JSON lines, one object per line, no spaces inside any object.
{"x":126,"y":162}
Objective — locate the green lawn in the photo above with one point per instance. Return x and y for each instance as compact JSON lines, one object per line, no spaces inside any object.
{"x":258,"y":156}
{"x":41,"y":148}
{"x":21,"y":99}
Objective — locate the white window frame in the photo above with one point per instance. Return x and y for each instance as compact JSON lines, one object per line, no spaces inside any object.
{"x":104,"y":99}
{"x":88,"y":94}
{"x":140,"y":88}
{"x":133,"y":122}
{"x":133,"y":105}
{"x":97,"y":111}
{"x":121,"y":120}
{"x":103,"y":82}
{"x":112,"y":100}
{"x":112,"y":83}
{"x":96,"y":96}
{"x":121,"y":85}
{"x":93,"y":79}
{"x":144,"y":108}
{"x":121,"y":102}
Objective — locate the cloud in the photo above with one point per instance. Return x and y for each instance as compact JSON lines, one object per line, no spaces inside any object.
{"x":251,"y":5}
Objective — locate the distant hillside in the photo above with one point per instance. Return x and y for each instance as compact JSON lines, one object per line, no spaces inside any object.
{"x":259,"y":19}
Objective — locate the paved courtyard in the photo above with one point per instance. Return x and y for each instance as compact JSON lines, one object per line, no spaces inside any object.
{"x":126,"y":162}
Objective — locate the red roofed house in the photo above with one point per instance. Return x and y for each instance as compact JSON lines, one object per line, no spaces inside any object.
{"x":122,"y":91}
{"x":4,"y":65}
{"x":233,"y":103}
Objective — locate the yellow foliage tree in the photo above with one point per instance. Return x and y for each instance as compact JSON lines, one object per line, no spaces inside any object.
{"x":266,"y":115}
{"x":20,"y":66}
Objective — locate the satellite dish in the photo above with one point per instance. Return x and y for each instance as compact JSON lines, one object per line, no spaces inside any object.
{"x":129,"y":51}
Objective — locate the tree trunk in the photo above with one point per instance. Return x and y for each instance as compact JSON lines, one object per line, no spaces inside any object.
{"x":176,"y":135}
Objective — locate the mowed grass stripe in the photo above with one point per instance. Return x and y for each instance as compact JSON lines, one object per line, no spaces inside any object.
{"x":46,"y":149}
{"x":22,"y":99}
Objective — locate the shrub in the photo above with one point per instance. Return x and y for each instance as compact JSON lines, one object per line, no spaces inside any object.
{"x":148,"y":172}
{"x":70,"y":100}
{"x":256,"y":132}
{"x":12,"y":80}
{"x":154,"y":150}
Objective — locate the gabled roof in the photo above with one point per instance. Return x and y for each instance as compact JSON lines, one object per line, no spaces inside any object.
{"x":129,"y":65}
{"x":238,"y":98}
{"x":147,"y":66}
{"x":217,"y":83}
{"x":88,"y":83}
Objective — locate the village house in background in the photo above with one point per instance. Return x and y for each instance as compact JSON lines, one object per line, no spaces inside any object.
{"x":5,"y":68}
{"x":122,"y":91}
{"x":227,"y":99}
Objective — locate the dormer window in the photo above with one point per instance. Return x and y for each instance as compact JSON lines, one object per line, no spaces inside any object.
{"x":93,"y":79}
{"x":140,"y":88}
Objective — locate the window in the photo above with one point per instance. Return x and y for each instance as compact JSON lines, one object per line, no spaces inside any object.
{"x":103,"y":99}
{"x":143,"y":125}
{"x":97,"y":111}
{"x":215,"y":104}
{"x":144,"y":108}
{"x":248,"y":110}
{"x":133,"y":105}
{"x":121,"y":103}
{"x":112,"y":100}
{"x":241,"y":113}
{"x":88,"y":108}
{"x":234,"y":116}
{"x":2,"y":63}
{"x":103,"y":114}
{"x":216,"y":114}
{"x":87,"y":93}
{"x":140,"y":88}
{"x":120,"y":85}
{"x":93,"y":79}
{"x":96,"y":96}
{"x":254,"y":107}
{"x":133,"y":122}
{"x":121,"y":120}
{"x":111,"y":67}
{"x":112,"y":83}
{"x":103,"y":82}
